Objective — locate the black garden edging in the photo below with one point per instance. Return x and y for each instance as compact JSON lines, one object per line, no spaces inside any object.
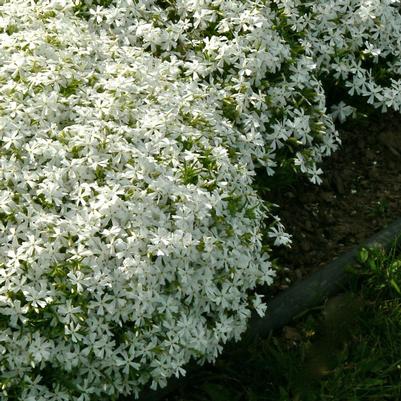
{"x":322,"y":284}
{"x":303,"y":295}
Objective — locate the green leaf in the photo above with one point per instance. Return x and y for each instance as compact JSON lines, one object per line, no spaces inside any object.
{"x":363,"y":255}
{"x":395,"y":286}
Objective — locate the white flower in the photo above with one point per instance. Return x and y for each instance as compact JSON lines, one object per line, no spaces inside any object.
{"x":16,"y":312}
{"x":259,"y":306}
{"x":341,"y":111}
{"x":280,"y":236}
{"x":129,"y":143}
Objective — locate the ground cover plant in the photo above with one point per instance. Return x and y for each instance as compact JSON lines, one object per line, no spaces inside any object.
{"x":347,"y":349}
{"x":132,"y":236}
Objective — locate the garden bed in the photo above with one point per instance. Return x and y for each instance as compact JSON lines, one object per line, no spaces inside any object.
{"x":134,"y":239}
{"x":360,"y":194}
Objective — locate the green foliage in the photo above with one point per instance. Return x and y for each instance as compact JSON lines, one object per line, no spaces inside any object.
{"x":190,"y":174}
{"x":71,"y":88}
{"x":82,"y":8}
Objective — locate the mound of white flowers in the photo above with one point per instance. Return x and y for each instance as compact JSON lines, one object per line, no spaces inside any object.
{"x":131,"y":237}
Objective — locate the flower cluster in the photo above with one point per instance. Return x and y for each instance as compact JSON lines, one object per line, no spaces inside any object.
{"x":131,"y":236}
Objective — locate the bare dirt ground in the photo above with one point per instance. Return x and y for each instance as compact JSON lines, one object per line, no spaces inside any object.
{"x":360,"y":194}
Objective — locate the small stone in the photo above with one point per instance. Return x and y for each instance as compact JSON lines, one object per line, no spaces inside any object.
{"x":305,"y":246}
{"x":339,"y":185}
{"x":370,"y":155}
{"x":308,"y":226}
{"x":291,"y":334}
{"x":298,"y":273}
{"x":329,"y":219}
{"x":328,"y":197}
{"x":361,"y":143}
{"x":392,"y":140}
{"x":373,"y":173}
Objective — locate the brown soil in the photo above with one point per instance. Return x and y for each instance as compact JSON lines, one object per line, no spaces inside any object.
{"x":360,"y":194}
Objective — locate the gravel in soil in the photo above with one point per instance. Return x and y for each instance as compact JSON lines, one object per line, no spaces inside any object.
{"x":360,"y":194}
